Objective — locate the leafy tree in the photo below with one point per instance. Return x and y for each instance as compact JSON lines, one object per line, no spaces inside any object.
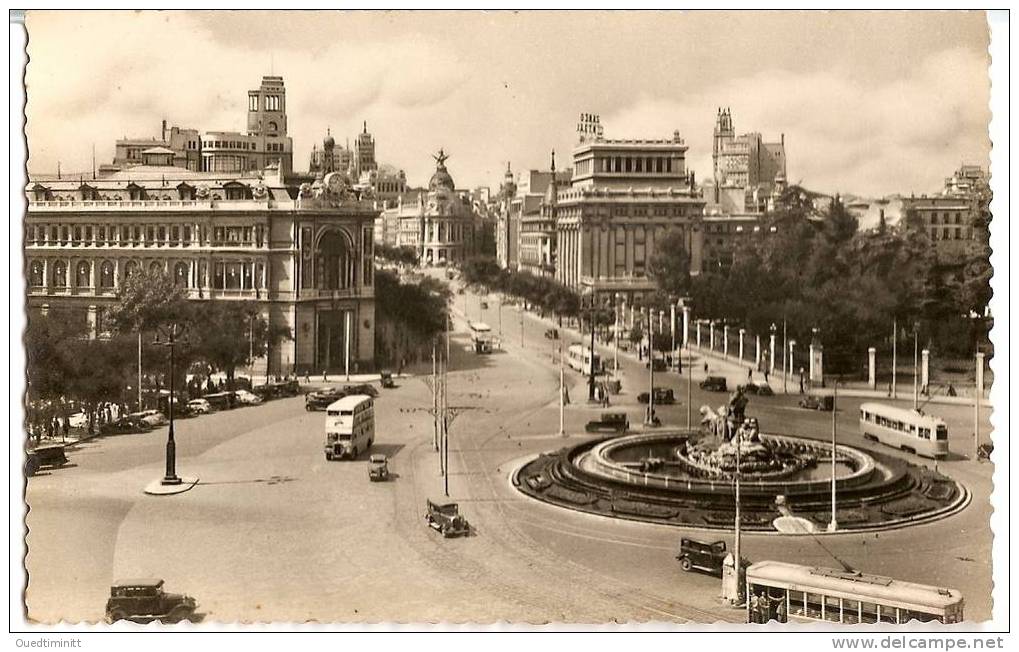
{"x":670,"y":264}
{"x":231,"y":334}
{"x":402,"y":255}
{"x":148,"y":300}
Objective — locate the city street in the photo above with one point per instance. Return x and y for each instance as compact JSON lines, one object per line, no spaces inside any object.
{"x":274,"y":532}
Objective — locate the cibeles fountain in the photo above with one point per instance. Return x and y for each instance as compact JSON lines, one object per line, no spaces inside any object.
{"x":687,"y":478}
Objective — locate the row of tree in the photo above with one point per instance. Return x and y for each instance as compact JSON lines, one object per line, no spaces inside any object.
{"x":397,"y":255}
{"x":547,"y":294}
{"x":66,"y":365}
{"x":408,"y":316}
{"x":821,"y":271}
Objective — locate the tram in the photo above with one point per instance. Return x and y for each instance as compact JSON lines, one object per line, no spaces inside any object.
{"x":908,"y":430}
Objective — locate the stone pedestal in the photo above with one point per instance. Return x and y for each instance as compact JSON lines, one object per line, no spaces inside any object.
{"x":725,"y":341}
{"x":925,"y":370}
{"x":816,"y":363}
{"x":686,"y":327}
{"x":711,"y":336}
{"x":757,"y":354}
{"x":771,"y":355}
{"x":872,"y":368}
{"x":742,"y":332}
{"x":698,"y":334}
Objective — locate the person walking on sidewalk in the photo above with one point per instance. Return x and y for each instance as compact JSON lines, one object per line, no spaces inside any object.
{"x":750,"y":375}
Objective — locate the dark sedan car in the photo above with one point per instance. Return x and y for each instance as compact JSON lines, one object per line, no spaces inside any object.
{"x":322,"y":398}
{"x":126,"y":425}
{"x":663,"y":396}
{"x":362,"y":388}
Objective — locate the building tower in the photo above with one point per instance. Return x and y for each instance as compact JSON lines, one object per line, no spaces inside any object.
{"x":723,"y":135}
{"x":509,"y":184}
{"x":267,"y":108}
{"x":328,"y":144}
{"x":364,"y":153}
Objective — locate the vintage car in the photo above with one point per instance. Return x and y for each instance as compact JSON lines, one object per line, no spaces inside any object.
{"x":714,"y":384}
{"x":552,"y":334}
{"x":44,"y":456}
{"x":363,"y":388}
{"x":152,"y":417}
{"x":386,"y":380}
{"x":446,"y":518}
{"x":143,"y":600}
{"x":126,"y":425}
{"x":700,"y":555}
{"x":322,"y":398}
{"x":659,"y":364}
{"x":378,"y":468}
{"x":757,"y":390}
{"x":244,"y":397}
{"x":199,"y":406}
{"x":663,"y":396}
{"x":609,"y":421}
{"x":822,"y":403}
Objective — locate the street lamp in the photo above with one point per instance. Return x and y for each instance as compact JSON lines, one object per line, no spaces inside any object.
{"x":615,"y":336}
{"x":792,"y":366}
{"x":685,"y":303}
{"x":172,"y":331}
{"x":833,"y":524}
{"x":591,"y":311}
{"x":771,"y":352}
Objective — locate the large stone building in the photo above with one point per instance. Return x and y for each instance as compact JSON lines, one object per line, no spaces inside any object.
{"x":383,"y":182}
{"x":264,"y":144}
{"x":745,"y":169}
{"x":959,"y":216}
{"x":625,"y":195}
{"x":537,"y":221}
{"x":439,"y":223}
{"x":521,"y":202}
{"x":305,"y":258}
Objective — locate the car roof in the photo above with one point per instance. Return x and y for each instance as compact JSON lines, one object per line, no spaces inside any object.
{"x":140,"y":581}
{"x":349,"y":402}
{"x":377,"y":458}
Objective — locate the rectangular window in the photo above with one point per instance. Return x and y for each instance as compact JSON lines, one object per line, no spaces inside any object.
{"x":187,"y":236}
{"x":161,"y":237}
{"x":218,"y":277}
{"x":150,"y":235}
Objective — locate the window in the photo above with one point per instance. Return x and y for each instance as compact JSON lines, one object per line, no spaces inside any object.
{"x":161,"y":234}
{"x":156,"y":267}
{"x":174,"y":235}
{"x":36,"y":277}
{"x":130,"y":269}
{"x":218,"y":276}
{"x":180,"y":274}
{"x":106,"y":275}
{"x":60,"y":274}
{"x":83,"y":277}
{"x":150,"y":235}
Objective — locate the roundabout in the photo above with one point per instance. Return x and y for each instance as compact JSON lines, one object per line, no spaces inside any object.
{"x":687,"y":479}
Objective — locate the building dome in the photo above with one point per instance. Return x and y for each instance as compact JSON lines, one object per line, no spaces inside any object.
{"x":328,"y":143}
{"x":441,"y":179}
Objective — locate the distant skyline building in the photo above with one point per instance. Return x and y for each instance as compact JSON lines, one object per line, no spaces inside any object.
{"x":959,"y":216}
{"x":745,"y":168}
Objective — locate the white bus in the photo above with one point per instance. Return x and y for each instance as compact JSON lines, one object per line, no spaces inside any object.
{"x":784,"y":592}
{"x":350,"y":426}
{"x":580,"y":358}
{"x":908,"y":430}
{"x":481,"y":336}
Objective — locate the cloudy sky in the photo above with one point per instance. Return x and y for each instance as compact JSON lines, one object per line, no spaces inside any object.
{"x":870,"y":103}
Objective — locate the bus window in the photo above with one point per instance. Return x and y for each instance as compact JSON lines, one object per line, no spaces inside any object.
{"x":812,"y":606}
{"x":832,"y":612}
{"x":850,"y":611}
{"x":942,"y":433}
{"x":908,"y":615}
{"x":868,"y":612}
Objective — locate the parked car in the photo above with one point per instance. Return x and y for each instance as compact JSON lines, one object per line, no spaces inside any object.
{"x":663,"y":396}
{"x":609,"y":421}
{"x":700,"y":555}
{"x":362,"y":388}
{"x":126,"y":425}
{"x":552,"y":334}
{"x":714,"y":384}
{"x":378,"y":468}
{"x":322,"y":398}
{"x":386,"y":380}
{"x":245,"y":397}
{"x":152,"y":417}
{"x":44,"y":456}
{"x":446,"y":518}
{"x":659,"y":364}
{"x":144,"y":600}
{"x":199,"y":406}
{"x":821,"y":403}
{"x":78,"y":420}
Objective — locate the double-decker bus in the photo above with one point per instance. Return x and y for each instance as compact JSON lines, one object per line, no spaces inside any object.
{"x":350,"y":426}
{"x":580,"y":358}
{"x":481,"y":337}
{"x":908,"y":430}
{"x":784,"y":592}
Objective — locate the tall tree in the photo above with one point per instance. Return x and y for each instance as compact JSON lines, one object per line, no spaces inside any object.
{"x":670,"y":264}
{"x":231,"y":334}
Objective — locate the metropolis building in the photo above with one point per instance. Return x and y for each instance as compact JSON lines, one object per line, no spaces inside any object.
{"x":303,"y":255}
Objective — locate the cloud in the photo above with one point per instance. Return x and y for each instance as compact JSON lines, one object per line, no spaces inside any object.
{"x":510,"y":86}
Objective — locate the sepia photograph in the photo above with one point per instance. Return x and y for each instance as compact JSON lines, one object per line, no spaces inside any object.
{"x":543,"y":318}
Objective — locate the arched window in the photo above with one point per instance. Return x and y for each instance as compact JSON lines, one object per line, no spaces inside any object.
{"x":36,"y":278}
{"x":333,"y":262}
{"x":60,"y":274}
{"x":130,"y":268}
{"x":156,"y":267}
{"x":180,"y":274}
{"x":106,"y":275}
{"x":83,"y":275}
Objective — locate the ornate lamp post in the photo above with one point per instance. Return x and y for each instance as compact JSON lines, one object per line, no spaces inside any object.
{"x":771,"y":352}
{"x":615,"y":336}
{"x":172,"y":332}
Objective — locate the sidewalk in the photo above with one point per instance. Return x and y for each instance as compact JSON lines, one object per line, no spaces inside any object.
{"x":735,"y":372}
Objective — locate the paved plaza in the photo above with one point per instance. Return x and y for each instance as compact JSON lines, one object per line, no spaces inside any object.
{"x":274,"y":532}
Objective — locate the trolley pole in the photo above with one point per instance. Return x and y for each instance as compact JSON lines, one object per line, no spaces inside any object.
{"x":833,"y":524}
{"x":650,"y":419}
{"x":435,"y":404}
{"x":916,"y":370}
{"x":785,"y":356}
{"x":978,"y":391}
{"x":562,"y":395}
{"x":736,"y":545}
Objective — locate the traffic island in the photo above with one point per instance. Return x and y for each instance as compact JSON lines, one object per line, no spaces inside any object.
{"x":157,"y":488}
{"x":665,"y":477}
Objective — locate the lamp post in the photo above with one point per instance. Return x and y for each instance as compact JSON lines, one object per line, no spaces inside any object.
{"x":172,"y":332}
{"x":590,"y":381}
{"x":785,"y":369}
{"x":792,"y":347}
{"x":833,"y":524}
{"x":615,"y":336}
{"x":895,"y":356}
{"x":916,"y":379}
{"x":771,"y":352}
{"x":649,"y":419}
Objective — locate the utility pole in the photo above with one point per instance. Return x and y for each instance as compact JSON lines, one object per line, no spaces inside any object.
{"x":785,"y":355}
{"x":736,"y":542}
{"x":562,"y":394}
{"x":445,"y":426}
{"x":833,"y":524}
{"x":139,"y":369}
{"x":895,"y":359}
{"x":650,"y":419}
{"x":435,"y":403}
{"x":916,"y":379}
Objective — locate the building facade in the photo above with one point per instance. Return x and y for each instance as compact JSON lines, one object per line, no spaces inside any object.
{"x":745,"y":168}
{"x":959,"y":216}
{"x":625,"y":195}
{"x":305,"y":258}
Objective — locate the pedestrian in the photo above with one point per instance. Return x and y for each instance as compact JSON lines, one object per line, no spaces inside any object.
{"x":766,"y":374}
{"x":750,"y":375}
{"x":67,"y":426}
{"x":705,"y":367}
{"x":780,"y":614}
{"x":801,"y":380}
{"x":307,"y":376}
{"x":325,"y":375}
{"x":755,"y":606}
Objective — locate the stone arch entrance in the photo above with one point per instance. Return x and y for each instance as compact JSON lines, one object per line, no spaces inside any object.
{"x":334,"y":261}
